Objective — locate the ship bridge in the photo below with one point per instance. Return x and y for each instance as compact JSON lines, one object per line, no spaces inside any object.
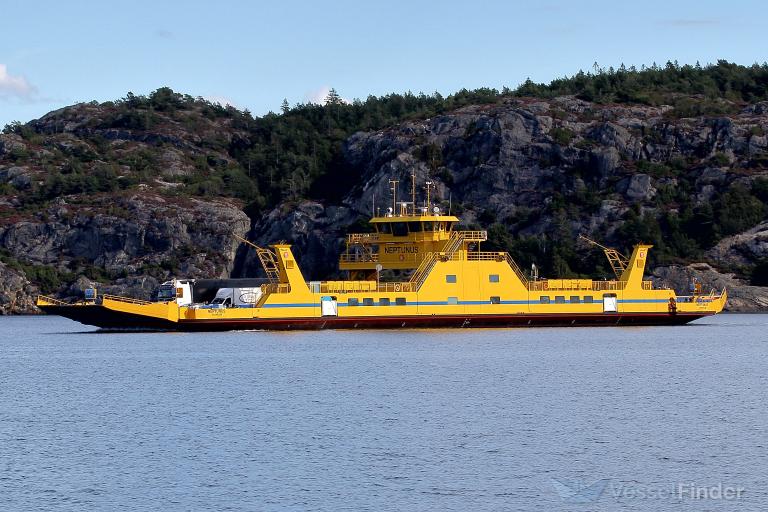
{"x":405,"y":236}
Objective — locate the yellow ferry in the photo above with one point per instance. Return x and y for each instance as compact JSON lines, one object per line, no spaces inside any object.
{"x":452,"y":283}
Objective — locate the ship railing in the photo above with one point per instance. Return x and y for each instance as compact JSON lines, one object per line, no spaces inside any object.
{"x":52,"y":300}
{"x":361,"y":238}
{"x":647,"y":285}
{"x":544,"y":285}
{"x":599,"y":286}
{"x":358,"y":258}
{"x":128,"y":300}
{"x":473,"y":236}
{"x":423,"y":270}
{"x":713,"y":295}
{"x":395,"y":287}
{"x":516,"y":268}
{"x":275,"y":288}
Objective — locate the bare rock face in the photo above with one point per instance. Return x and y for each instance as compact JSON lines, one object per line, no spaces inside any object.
{"x":135,"y":239}
{"x":741,"y":296}
{"x":742,"y":249}
{"x":315,"y":231}
{"x":17,"y":295}
{"x":637,"y":187}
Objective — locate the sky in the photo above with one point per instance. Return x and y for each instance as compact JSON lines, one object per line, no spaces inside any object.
{"x":253,"y":54}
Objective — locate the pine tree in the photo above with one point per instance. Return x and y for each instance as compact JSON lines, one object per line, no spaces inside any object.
{"x":333,"y":98}
{"x":285,"y":107}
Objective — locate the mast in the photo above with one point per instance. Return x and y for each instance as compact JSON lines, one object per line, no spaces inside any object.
{"x":393,"y":184}
{"x":413,"y":193}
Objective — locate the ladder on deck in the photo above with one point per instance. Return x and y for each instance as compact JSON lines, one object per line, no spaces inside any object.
{"x":423,"y":270}
{"x":268,"y":260}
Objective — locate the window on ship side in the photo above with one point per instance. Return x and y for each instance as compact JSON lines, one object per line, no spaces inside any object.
{"x":559,"y":299}
{"x":544,"y":299}
{"x":588,"y":299}
{"x":400,"y":301}
{"x":495,"y":300}
{"x":575,"y":299}
{"x":493,"y":278}
{"x":450,"y":278}
{"x":384,"y":302}
{"x":353,"y":302}
{"x":367,"y":301}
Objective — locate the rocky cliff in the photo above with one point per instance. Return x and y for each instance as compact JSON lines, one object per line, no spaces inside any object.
{"x":126,"y":198}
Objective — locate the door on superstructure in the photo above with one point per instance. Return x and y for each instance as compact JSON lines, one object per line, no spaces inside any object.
{"x":610,"y":303}
{"x":329,"y":306}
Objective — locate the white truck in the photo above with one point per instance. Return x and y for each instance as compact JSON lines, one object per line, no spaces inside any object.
{"x":236,"y":297}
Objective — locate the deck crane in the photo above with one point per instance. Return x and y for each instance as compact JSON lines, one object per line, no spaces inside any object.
{"x":267,"y":258}
{"x":617,"y":260}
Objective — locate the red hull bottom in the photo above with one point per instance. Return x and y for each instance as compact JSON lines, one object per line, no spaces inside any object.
{"x":459,"y":321}
{"x":108,"y":319}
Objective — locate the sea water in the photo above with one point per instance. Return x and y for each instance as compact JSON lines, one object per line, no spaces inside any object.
{"x":652,"y":418}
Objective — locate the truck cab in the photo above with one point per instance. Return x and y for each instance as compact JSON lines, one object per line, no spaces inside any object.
{"x":178,"y":291}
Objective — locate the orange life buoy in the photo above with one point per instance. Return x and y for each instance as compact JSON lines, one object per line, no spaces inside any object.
{"x":397,"y":287}
{"x":544,"y":285}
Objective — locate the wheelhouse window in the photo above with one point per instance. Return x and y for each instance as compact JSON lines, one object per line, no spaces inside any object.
{"x":385,"y":227}
{"x":400,"y":229}
{"x":428,"y":226}
{"x":414,"y":227}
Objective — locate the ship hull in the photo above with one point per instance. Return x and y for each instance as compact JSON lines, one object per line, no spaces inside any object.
{"x":106,"y":318}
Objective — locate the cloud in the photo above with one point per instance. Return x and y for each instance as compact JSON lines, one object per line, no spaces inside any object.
{"x":163,"y":33}
{"x":318,"y":96}
{"x":683,"y":22}
{"x":12,"y":86}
